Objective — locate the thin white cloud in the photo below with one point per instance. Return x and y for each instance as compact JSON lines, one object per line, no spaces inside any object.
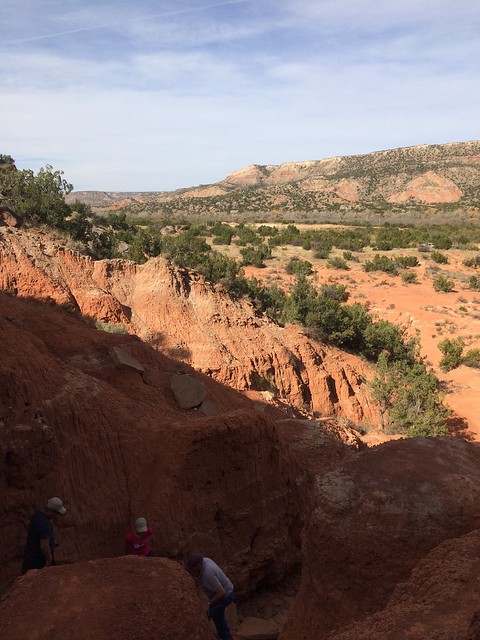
{"x":123,"y":22}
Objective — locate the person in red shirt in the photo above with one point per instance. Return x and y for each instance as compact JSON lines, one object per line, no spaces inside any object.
{"x":139,"y":540}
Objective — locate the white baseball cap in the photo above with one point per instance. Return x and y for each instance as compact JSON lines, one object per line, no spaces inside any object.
{"x":141,"y":525}
{"x":55,"y":504}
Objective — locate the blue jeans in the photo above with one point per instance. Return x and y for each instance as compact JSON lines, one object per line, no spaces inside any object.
{"x":217,"y":614}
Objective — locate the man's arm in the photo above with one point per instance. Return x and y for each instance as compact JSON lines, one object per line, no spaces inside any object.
{"x":45,"y":549}
{"x":218,"y":595}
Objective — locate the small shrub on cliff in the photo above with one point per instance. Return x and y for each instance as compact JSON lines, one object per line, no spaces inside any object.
{"x":111,"y":327}
{"x":409,"y":399}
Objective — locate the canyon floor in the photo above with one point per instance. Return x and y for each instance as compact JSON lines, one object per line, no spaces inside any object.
{"x":433,"y":315}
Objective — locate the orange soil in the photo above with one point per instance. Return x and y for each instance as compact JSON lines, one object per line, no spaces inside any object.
{"x":435,"y":316}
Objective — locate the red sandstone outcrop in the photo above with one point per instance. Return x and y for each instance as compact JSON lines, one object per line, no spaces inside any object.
{"x":118,"y":598}
{"x":182,"y":315}
{"x":378,"y":515}
{"x":439,"y":599}
{"x":345,"y":190}
{"x":92,"y":417}
{"x":429,"y":187}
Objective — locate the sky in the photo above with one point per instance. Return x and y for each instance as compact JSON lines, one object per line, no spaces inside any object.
{"x":155,"y":95}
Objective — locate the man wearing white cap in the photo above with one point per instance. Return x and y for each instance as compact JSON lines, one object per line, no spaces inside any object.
{"x":39,"y":550}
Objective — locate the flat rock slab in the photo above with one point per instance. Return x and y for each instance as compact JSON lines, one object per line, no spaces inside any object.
{"x":258,"y":629}
{"x":121,"y":357}
{"x":188,"y":391}
{"x":208,"y":408}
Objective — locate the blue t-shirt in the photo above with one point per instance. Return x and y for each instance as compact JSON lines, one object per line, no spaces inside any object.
{"x":39,"y":528}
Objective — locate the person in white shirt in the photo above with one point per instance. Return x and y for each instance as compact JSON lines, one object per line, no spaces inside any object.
{"x":217,"y":586}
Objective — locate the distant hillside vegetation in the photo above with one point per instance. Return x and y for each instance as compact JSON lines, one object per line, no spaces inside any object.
{"x":424,"y":183}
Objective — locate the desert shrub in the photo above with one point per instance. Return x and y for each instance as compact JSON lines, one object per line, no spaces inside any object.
{"x":474,"y":283}
{"x":40,"y":198}
{"x":439,"y":258}
{"x":225,"y":239}
{"x":105,"y":245}
{"x":246,"y":235}
{"x":388,"y":237}
{"x":441,"y":241}
{"x":381,"y":263}
{"x":407,"y":261}
{"x":472,"y":262}
{"x":296,"y":266}
{"x":255,"y":256}
{"x":472,"y":358}
{"x":452,"y":353}
{"x":321,"y":253}
{"x":80,"y":225}
{"x":409,"y":277}
{"x":219,"y":228}
{"x":388,"y":338}
{"x":289,"y":235}
{"x":117,"y":221}
{"x":222,"y":233}
{"x":337,"y":263}
{"x":443,"y":284}
{"x":265,"y":230}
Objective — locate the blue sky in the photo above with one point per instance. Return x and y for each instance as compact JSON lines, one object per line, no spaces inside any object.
{"x":158,"y":95}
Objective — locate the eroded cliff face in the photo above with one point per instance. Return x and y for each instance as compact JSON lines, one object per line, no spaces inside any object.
{"x":96,"y":419}
{"x":106,"y":433}
{"x":182,"y":315}
{"x":378,"y":515}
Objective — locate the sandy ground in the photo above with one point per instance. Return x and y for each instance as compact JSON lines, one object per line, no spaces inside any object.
{"x":434,"y":316}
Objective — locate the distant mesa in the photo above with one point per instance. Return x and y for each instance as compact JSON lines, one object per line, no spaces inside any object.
{"x":395,"y":180}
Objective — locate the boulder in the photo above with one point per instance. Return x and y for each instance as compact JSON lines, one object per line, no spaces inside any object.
{"x":122,"y":598}
{"x":124,"y":359}
{"x":188,"y":391}
{"x":378,"y":514}
{"x":438,"y":601}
